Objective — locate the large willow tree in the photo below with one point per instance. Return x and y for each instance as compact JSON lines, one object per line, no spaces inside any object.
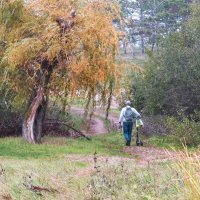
{"x":46,"y":43}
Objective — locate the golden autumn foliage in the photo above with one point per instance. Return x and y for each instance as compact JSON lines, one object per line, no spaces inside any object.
{"x":61,"y":46}
{"x":38,"y":30}
{"x":98,"y":47}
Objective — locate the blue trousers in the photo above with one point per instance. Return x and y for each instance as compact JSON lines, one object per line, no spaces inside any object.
{"x":127,"y":130}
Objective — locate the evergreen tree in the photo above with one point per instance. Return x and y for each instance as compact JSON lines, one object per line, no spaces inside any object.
{"x":149,"y":21}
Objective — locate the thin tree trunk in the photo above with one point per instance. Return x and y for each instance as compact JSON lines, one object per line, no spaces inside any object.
{"x":64,"y":100}
{"x":154,"y":27}
{"x":111,"y":84}
{"x":142,"y":44}
{"x":124,"y":46}
{"x":133,"y":50}
{"x":93,"y":107}
{"x":87,"y":104}
{"x":142,"y":35}
{"x":152,"y":46}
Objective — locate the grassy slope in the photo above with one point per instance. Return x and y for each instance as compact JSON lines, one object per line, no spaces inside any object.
{"x":49,"y":166}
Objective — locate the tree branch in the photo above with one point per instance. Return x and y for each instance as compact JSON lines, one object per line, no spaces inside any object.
{"x":70,"y":127}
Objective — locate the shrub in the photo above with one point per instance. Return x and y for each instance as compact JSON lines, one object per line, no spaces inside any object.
{"x":10,"y":114}
{"x":185,"y":131}
{"x":154,"y":125}
{"x":172,"y":76}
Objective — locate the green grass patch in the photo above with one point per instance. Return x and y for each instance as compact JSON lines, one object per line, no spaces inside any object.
{"x":110,"y":144}
{"x":164,"y":142}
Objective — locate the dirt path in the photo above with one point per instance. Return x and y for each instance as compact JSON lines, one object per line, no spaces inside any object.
{"x":150,"y":155}
{"x":97,"y":124}
{"x":142,"y":156}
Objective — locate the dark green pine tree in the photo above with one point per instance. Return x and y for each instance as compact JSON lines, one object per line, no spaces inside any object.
{"x":149,"y":21}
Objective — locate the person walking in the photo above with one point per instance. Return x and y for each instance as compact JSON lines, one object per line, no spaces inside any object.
{"x":127,"y":119}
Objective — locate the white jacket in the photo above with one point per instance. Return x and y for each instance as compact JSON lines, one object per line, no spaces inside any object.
{"x":122,"y":118}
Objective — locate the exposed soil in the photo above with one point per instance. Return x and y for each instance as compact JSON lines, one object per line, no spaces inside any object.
{"x":140,"y":157}
{"x":149,"y":155}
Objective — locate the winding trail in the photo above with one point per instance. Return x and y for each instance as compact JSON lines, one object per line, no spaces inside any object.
{"x":96,"y":125}
{"x":141,"y":156}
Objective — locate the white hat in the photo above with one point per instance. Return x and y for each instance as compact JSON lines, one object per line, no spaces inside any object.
{"x":128,"y":103}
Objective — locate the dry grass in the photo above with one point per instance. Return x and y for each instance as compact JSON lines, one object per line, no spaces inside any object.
{"x":40,"y":179}
{"x":75,"y":178}
{"x":189,"y":166}
{"x":146,"y":174}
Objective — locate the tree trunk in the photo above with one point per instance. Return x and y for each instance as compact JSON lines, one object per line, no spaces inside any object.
{"x":154,"y":27}
{"x":142,"y":44}
{"x":33,"y":122}
{"x":32,"y":125}
{"x":142,"y":34}
{"x":124,"y":46}
{"x":64,"y":99}
{"x":111,"y":85}
{"x":133,"y":50}
{"x":87,"y":104}
{"x":92,"y":107}
{"x":152,"y":46}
